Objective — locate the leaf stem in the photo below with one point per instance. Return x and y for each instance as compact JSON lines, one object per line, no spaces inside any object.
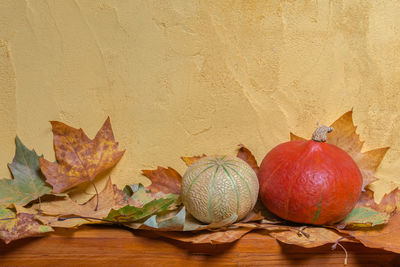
{"x":7,"y":219}
{"x":97,"y":195}
{"x":81,"y":217}
{"x":40,"y":206}
{"x":300,"y":231}
{"x":340,"y":245}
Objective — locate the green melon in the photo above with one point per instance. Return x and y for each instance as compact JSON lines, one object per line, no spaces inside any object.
{"x":216,"y":188}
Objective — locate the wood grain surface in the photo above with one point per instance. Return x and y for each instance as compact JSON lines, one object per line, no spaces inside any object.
{"x":102,"y":245}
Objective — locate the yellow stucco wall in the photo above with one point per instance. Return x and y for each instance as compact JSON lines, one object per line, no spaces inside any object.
{"x":189,"y":77}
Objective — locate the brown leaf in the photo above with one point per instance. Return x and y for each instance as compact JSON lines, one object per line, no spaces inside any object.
{"x":345,"y":137}
{"x":21,"y":225}
{"x":53,"y":220}
{"x":190,"y":160}
{"x":207,"y":237}
{"x":261,"y":213}
{"x":110,"y":197}
{"x":368,"y":162}
{"x":248,"y":157}
{"x":389,"y":203}
{"x":377,"y":213}
{"x":70,"y":223}
{"x":316,"y":236}
{"x":164,"y":180}
{"x":386,"y":237}
{"x":294,"y":137}
{"x":79,"y":159}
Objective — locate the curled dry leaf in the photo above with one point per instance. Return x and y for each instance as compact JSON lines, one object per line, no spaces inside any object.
{"x":207,"y":237}
{"x":367,"y":213}
{"x":52,"y":221}
{"x":315,"y":236}
{"x":15,"y":226}
{"x":382,"y":236}
{"x":164,"y":180}
{"x":110,"y":197}
{"x":28,"y":183}
{"x":247,"y":156}
{"x":389,"y":203}
{"x":79,"y":159}
{"x":385,"y":237}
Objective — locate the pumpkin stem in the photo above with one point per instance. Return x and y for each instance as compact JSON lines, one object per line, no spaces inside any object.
{"x":320,"y":133}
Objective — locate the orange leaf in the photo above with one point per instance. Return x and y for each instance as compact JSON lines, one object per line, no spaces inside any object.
{"x":190,"y":160}
{"x":79,"y":159}
{"x":248,"y":157}
{"x":164,"y":180}
{"x":345,"y":137}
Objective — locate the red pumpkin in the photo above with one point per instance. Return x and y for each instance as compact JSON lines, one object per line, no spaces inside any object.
{"x":310,"y":182}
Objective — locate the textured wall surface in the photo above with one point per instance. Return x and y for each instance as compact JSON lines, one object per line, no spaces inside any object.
{"x":189,"y":77}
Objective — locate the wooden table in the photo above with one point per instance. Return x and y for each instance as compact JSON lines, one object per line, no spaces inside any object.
{"x":102,"y":245}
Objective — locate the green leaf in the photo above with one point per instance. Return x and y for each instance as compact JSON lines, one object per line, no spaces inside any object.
{"x":167,"y":222}
{"x":365,"y":217}
{"x":15,"y":226}
{"x":142,"y":196}
{"x":28,"y":183}
{"x":131,"y":213}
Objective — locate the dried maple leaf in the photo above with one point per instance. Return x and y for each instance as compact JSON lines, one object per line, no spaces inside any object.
{"x":28,"y":183}
{"x":110,"y":197}
{"x":190,"y":160}
{"x":15,"y":226}
{"x":49,"y":220}
{"x":367,"y":213}
{"x":345,"y":137}
{"x":315,"y":236}
{"x":389,"y":203}
{"x":207,"y":237}
{"x":79,"y":159}
{"x":385,"y":237}
{"x":164,"y":180}
{"x":248,"y":157}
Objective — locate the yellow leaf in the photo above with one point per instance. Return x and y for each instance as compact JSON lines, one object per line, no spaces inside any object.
{"x":190,"y":160}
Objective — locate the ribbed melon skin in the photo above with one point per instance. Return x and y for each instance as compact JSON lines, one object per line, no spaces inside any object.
{"x":215,"y":188}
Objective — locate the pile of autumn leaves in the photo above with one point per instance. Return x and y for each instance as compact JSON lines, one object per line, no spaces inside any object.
{"x":36,"y":202}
